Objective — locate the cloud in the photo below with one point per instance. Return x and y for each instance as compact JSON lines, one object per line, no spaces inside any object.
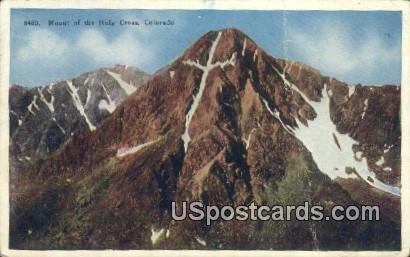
{"x":126,"y":48}
{"x":331,"y":48}
{"x":43,"y":45}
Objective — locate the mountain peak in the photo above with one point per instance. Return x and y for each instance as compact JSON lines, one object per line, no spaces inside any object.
{"x":226,"y":42}
{"x":225,"y":124}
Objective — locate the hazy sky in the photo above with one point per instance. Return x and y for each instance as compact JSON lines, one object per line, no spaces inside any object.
{"x":355,"y":47}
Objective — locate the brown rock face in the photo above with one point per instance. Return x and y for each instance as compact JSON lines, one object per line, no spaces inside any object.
{"x":217,"y":126}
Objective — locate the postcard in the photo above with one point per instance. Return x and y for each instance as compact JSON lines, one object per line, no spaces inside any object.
{"x":205,"y":128}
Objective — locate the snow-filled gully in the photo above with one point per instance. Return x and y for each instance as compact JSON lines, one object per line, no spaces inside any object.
{"x":197,"y":98}
{"x":318,"y":139}
{"x":77,"y":103}
{"x":128,"y":88}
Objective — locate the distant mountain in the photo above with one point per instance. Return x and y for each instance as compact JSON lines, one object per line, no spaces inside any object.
{"x":44,"y":118}
{"x":224,"y":124}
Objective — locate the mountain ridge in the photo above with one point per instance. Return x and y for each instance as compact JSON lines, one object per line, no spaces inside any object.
{"x":218,"y":125}
{"x":89,"y":98}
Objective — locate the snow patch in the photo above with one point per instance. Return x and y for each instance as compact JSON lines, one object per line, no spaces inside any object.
{"x":128,"y":89}
{"x":247,"y":140}
{"x":387,"y":169}
{"x":77,"y":103}
{"x":330,"y":92}
{"x":156,"y":235}
{"x":358,"y":155}
{"x":318,"y":139}
{"x":351,"y":90}
{"x":103,"y":104}
{"x":387,"y":149}
{"x":171,"y":74}
{"x":200,"y":241}
{"x":380,"y":162}
{"x":197,"y":98}
{"x":131,"y":150}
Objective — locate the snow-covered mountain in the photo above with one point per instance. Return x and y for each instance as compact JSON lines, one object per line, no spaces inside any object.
{"x":44,"y":118}
{"x":224,"y":124}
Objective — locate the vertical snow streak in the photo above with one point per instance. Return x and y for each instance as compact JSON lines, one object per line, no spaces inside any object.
{"x":366,"y":102}
{"x":77,"y":103}
{"x":185,"y":137}
{"x":291,"y":85}
{"x":59,"y":126}
{"x":197,"y":98}
{"x":275,"y":114}
{"x":17,"y":116}
{"x":88,"y":97}
{"x":255,"y":54}
{"x":244,"y":47}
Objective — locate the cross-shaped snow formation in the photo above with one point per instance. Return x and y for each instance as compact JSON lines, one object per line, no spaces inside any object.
{"x":205,"y":69}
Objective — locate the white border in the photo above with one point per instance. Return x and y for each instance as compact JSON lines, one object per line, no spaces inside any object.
{"x":334,"y":5}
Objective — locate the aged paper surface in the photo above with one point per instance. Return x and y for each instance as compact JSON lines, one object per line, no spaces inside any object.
{"x":204,"y":128}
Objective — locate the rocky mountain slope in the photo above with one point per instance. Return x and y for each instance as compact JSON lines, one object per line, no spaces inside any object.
{"x":43,"y":118}
{"x":225,"y":124}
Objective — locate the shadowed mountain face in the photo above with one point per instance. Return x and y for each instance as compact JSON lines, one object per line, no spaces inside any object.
{"x":42,"y":119}
{"x":225,"y":124}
